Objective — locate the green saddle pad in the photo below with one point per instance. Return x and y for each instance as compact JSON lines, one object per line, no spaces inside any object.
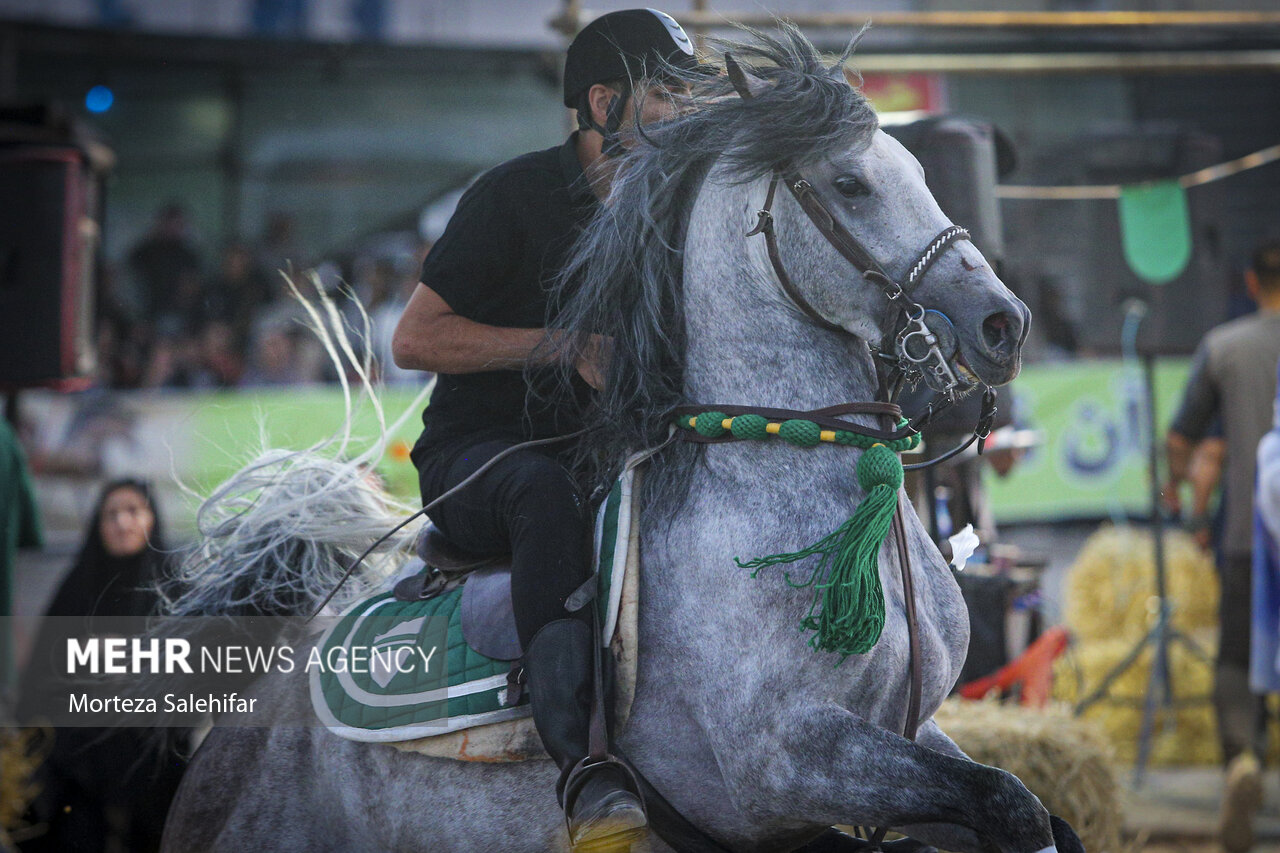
{"x":399,"y":670}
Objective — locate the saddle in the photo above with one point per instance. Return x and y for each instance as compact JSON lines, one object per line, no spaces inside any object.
{"x":468,"y":702}
{"x":488,"y":617}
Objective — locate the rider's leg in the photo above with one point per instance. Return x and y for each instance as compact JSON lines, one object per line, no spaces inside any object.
{"x":529,"y":503}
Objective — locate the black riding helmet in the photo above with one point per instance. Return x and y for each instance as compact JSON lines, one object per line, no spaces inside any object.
{"x":633,"y":43}
{"x":629,"y":45}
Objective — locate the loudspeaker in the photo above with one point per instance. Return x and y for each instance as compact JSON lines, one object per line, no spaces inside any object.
{"x":962,"y":160}
{"x":48,"y":243}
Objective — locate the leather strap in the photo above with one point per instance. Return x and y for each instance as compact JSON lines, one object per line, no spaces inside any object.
{"x":912,"y":723}
{"x":765,"y":226}
{"x":830,"y":227}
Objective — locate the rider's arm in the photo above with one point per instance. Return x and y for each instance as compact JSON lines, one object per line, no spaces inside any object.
{"x":469,"y":278}
{"x":430,"y":336}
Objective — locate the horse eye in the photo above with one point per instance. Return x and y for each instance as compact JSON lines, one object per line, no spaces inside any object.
{"x":850,"y":187}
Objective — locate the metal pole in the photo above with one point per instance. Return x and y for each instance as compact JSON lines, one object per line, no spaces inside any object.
{"x":1153,"y":473}
{"x":700,"y":8}
{"x":701,"y":17}
{"x":1160,"y":685}
{"x":1163,"y":62}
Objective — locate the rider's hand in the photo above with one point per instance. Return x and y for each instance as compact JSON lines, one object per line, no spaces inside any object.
{"x":593,"y":361}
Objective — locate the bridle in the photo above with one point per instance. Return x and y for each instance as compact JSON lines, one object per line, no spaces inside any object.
{"x":916,"y":350}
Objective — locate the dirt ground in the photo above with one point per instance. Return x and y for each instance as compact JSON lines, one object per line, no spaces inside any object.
{"x":1176,"y":811}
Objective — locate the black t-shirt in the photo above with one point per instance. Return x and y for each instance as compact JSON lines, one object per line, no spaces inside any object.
{"x":507,"y":240}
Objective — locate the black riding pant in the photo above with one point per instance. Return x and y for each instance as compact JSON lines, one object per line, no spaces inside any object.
{"x":527,"y":504}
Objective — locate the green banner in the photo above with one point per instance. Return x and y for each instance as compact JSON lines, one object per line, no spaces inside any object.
{"x":1093,"y":458}
{"x":1092,"y":462}
{"x":1155,"y":230}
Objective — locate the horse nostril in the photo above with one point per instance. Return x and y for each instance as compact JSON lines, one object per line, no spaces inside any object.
{"x":1000,"y":332}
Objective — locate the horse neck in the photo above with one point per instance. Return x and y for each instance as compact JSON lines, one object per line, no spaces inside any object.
{"x":747,"y":344}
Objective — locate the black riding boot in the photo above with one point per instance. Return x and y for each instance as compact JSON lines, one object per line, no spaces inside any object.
{"x":602,"y":812}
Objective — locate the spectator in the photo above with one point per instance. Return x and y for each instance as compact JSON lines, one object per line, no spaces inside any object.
{"x":1233,"y":377}
{"x":1264,"y":673}
{"x":170,"y":363}
{"x":221,"y":361}
{"x":277,"y":359}
{"x":94,"y":777}
{"x":1054,"y":323}
{"x":278,"y":249}
{"x":166,"y":270}
{"x":238,"y":292}
{"x":393,"y":283}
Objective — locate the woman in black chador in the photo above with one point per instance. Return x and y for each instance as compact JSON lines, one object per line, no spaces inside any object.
{"x":102,"y":789}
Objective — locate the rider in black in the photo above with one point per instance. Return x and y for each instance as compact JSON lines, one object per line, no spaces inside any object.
{"x":477,"y":321}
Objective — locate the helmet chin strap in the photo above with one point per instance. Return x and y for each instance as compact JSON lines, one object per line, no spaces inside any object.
{"x":612,"y":146}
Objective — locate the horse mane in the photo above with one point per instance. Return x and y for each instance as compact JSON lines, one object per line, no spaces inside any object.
{"x":277,"y":535}
{"x":624,"y":277}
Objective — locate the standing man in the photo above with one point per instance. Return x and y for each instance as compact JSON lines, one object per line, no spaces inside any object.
{"x":1233,"y":377}
{"x":476,"y":319}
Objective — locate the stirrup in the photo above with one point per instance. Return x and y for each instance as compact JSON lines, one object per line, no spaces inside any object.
{"x":578,"y":776}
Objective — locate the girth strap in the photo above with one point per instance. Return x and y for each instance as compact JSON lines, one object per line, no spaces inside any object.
{"x":666,"y":820}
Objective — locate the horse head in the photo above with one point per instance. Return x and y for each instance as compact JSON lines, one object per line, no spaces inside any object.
{"x":860,"y":245}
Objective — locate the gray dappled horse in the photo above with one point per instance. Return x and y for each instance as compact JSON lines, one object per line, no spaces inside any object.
{"x":756,"y":738}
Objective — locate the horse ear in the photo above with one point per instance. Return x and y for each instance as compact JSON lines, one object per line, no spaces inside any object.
{"x":746,"y":84}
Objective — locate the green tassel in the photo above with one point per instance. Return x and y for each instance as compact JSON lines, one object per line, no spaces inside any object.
{"x":847,"y":612}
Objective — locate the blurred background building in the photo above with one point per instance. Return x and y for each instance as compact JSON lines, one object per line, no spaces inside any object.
{"x":319,"y":126}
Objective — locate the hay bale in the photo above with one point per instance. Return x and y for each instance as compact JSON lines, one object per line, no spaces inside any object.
{"x":1186,"y":735}
{"x":1064,"y":761}
{"x":1109,"y":604}
{"x":1110,"y":588}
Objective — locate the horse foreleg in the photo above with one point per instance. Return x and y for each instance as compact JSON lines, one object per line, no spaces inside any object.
{"x":948,"y":836}
{"x":828,"y":766}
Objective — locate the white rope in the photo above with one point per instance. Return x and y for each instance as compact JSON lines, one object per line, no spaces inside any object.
{"x":1194,"y":179}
